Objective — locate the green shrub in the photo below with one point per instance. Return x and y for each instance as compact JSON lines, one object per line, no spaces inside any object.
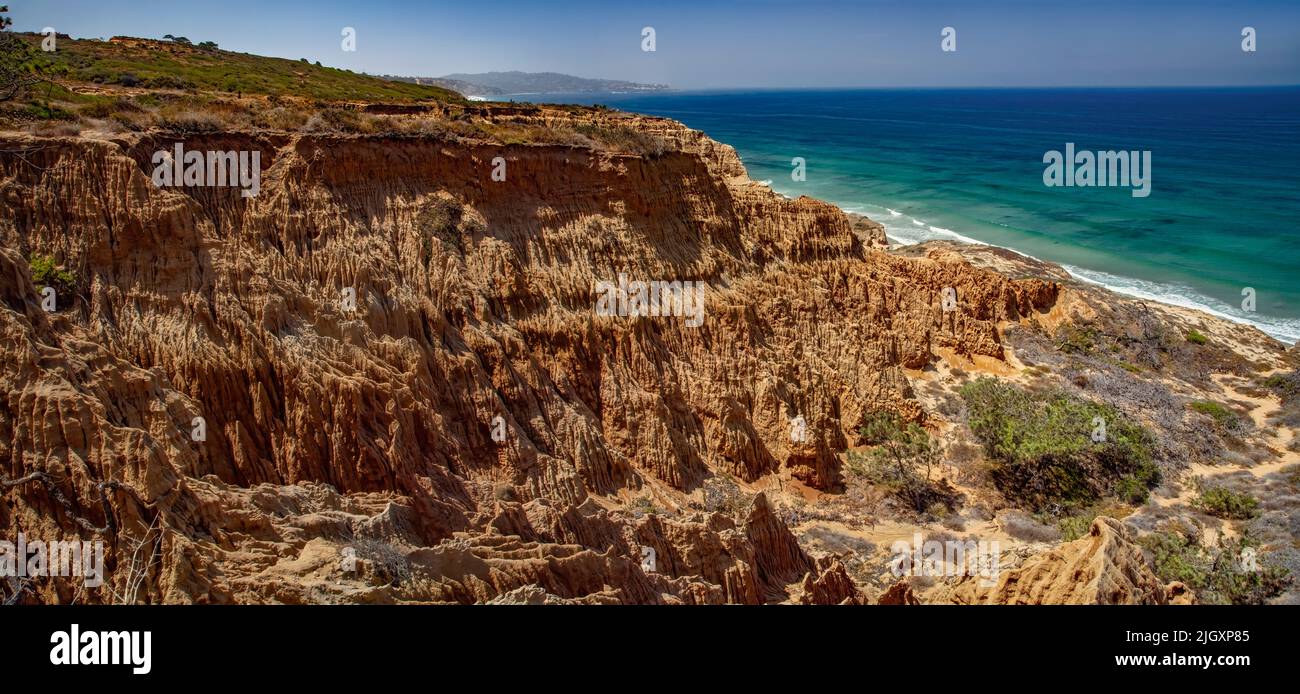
{"x":1042,"y":452}
{"x":1222,"y":502}
{"x":1287,"y":385}
{"x":43,"y":111}
{"x":1074,"y":339}
{"x":643,"y":506}
{"x":1223,"y":417}
{"x":902,"y":461}
{"x":1195,"y":337}
{"x":1076,"y":525}
{"x":1220,"y":576}
{"x":19,"y":69}
{"x":46,"y":274}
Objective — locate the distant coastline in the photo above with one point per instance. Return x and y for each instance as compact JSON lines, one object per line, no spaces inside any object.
{"x":486,"y":85}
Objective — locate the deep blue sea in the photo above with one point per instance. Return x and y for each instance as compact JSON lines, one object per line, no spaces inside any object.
{"x":1222,"y":215}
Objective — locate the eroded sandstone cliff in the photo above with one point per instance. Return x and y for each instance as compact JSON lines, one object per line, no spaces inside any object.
{"x":335,"y":432}
{"x":1104,"y":568}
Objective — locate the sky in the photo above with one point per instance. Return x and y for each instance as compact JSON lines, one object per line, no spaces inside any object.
{"x":709,"y":44}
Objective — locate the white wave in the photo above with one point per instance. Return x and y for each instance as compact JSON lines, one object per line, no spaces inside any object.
{"x":894,"y":213}
{"x":767,"y":183}
{"x":1285,"y":329}
{"x":908,"y":235}
{"x":960,"y":237}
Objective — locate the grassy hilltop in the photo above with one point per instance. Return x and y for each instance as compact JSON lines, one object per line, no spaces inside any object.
{"x":131,"y":62}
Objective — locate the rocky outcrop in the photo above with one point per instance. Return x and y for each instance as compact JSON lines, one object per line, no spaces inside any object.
{"x":900,"y":593}
{"x":364,"y":326}
{"x":1105,"y":568}
{"x":871,"y":232}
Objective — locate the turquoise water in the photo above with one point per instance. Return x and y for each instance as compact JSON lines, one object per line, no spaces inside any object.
{"x":1221,"y":217}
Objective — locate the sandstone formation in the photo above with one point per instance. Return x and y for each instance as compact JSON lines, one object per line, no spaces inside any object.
{"x":1104,"y":568}
{"x":334,"y":432}
{"x":900,"y":593}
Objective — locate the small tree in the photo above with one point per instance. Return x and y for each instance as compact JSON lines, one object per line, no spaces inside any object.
{"x":17,"y":61}
{"x":47,"y":273}
{"x":903,"y":461}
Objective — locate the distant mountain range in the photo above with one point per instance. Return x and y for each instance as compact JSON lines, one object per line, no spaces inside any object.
{"x":515,"y":82}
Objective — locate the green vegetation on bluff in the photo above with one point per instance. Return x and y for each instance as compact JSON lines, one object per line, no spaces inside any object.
{"x":169,"y":65}
{"x":902,"y":461}
{"x":1228,"y":504}
{"x":46,"y":273}
{"x":1042,"y":449}
{"x":1230,"y":574}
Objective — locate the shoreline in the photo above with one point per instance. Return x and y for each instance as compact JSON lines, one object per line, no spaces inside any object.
{"x":1133,"y":287}
{"x":1208,"y":283}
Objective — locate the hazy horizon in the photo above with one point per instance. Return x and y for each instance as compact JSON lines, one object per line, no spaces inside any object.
{"x":742,"y":44}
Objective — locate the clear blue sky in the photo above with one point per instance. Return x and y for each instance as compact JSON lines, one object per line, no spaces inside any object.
{"x":739,"y":43}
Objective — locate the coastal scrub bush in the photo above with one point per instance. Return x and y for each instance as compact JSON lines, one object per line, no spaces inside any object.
{"x":1042,"y":450}
{"x":188,"y":121}
{"x":1021,"y":526}
{"x":45,"y":273}
{"x":338,"y":120}
{"x":44,"y":111}
{"x":1286,"y":385}
{"x":18,"y":69}
{"x":1076,"y":525}
{"x":1228,"y":575}
{"x":902,"y":461}
{"x":389,"y":563}
{"x":643,"y":506}
{"x":1195,"y":337}
{"x":440,"y":221}
{"x":1076,"y":339}
{"x":1222,"y":502}
{"x":104,"y":108}
{"x":723,"y":495}
{"x":280,"y":118}
{"x":624,"y":139}
{"x":1225,"y":419}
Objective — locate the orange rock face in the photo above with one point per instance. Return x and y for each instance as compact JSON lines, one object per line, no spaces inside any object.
{"x":1104,"y":568}
{"x":348,"y":341}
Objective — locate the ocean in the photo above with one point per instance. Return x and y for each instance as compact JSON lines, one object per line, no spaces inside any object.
{"x":1219,"y":226}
